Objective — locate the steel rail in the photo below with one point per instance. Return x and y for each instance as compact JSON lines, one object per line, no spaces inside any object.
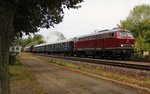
{"x":103,"y":62}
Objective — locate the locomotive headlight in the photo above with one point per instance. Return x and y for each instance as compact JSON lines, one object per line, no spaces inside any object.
{"x":121,"y":45}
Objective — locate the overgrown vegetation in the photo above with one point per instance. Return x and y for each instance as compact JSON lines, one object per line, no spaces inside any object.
{"x":138,"y":22}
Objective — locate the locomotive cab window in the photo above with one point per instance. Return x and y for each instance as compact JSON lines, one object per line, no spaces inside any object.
{"x":122,"y":34}
{"x":129,"y":34}
{"x":111,"y":34}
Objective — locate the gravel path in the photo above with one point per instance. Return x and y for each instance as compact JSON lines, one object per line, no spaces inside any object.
{"x":57,"y":80}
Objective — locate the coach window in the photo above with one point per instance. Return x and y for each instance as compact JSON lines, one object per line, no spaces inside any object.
{"x":58,"y":45}
{"x":68,"y":45}
{"x":63,"y":44}
{"x":54,"y":46}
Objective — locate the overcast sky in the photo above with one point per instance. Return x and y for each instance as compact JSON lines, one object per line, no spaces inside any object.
{"x":94,"y":15}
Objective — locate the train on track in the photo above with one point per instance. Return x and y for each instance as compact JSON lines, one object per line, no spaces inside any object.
{"x":104,"y":43}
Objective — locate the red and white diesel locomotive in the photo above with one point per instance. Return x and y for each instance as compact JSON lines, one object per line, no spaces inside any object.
{"x":112,"y":43}
{"x":105,"y":43}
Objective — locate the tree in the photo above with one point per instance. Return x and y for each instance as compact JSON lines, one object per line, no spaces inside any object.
{"x":138,"y":22}
{"x":31,"y":41}
{"x":18,"y":16}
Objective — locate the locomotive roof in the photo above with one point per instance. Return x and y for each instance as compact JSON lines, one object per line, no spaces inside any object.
{"x":102,"y":32}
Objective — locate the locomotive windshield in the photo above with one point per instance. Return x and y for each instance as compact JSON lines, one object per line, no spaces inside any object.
{"x":125,"y":34}
{"x":129,"y":34}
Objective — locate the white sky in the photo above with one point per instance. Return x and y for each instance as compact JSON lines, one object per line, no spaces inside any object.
{"x":94,"y":15}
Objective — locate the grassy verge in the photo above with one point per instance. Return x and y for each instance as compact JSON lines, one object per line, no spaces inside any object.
{"x":23,"y":54}
{"x":22,"y":81}
{"x":144,"y":82}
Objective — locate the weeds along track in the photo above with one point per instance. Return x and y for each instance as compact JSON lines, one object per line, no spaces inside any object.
{"x":139,"y":66}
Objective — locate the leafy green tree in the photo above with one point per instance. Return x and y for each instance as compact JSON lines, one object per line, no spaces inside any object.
{"x":38,"y":39}
{"x":18,"y":16}
{"x":138,"y":22}
{"x":31,"y":41}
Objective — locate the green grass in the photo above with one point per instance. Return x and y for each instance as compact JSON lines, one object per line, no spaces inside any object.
{"x":21,"y":78}
{"x":63,"y":63}
{"x":18,"y":72}
{"x":145,"y":82}
{"x":23,"y":54}
{"x":108,"y":74}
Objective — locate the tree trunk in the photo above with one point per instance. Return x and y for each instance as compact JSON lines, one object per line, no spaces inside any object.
{"x":7,"y":10}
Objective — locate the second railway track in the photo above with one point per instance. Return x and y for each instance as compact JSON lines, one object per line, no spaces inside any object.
{"x":143,"y":67}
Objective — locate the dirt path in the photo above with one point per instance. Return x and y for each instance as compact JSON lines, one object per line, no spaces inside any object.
{"x":57,"y":80}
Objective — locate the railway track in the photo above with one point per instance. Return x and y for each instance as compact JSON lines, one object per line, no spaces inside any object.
{"x":143,"y":67}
